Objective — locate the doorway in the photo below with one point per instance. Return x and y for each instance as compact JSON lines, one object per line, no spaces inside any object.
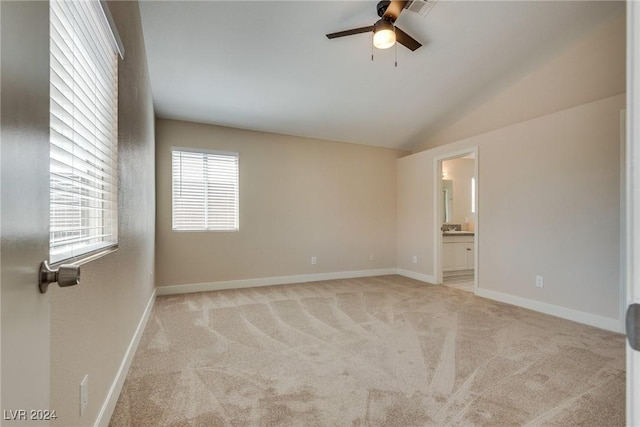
{"x":456,"y":227}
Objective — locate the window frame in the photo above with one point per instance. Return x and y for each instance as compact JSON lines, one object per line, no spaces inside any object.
{"x":236,"y":212}
{"x":95,"y":199}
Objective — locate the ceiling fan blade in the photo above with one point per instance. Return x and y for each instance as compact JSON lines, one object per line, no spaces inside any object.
{"x":394,"y":9}
{"x":406,"y":40}
{"x":350,"y":32}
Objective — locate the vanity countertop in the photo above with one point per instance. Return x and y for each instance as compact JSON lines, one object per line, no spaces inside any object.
{"x":458,"y":233}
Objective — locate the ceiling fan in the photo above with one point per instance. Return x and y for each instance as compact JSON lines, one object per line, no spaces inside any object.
{"x":385,"y":33}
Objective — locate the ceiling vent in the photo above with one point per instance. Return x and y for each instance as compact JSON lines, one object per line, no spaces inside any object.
{"x":421,"y":7}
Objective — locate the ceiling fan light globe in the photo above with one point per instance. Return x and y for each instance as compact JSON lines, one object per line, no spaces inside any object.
{"x":384,"y":34}
{"x":384,"y":38}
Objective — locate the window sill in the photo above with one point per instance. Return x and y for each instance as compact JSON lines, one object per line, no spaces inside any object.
{"x":86,"y":258}
{"x":204,"y":230}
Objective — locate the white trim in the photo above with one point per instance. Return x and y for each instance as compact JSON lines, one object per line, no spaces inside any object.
{"x":116,"y":387}
{"x":111,"y":24}
{"x":623,"y":220}
{"x":437,"y":219}
{"x":633,"y":200}
{"x":553,"y":310}
{"x":270,"y":281}
{"x":417,"y":276}
{"x":476,"y":222}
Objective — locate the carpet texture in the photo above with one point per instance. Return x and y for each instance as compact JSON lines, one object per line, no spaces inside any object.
{"x":378,"y":351}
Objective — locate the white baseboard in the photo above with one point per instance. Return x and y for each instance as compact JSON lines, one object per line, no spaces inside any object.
{"x":554,"y":310}
{"x":116,"y":387}
{"x":417,"y":276}
{"x":270,"y":281}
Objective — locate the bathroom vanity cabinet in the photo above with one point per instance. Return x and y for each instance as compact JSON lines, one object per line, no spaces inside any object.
{"x":458,"y":252}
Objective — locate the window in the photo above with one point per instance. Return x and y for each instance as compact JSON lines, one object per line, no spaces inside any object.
{"x":83,"y":130}
{"x":205,"y":190}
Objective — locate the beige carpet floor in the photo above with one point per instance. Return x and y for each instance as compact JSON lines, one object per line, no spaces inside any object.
{"x":381,"y":351}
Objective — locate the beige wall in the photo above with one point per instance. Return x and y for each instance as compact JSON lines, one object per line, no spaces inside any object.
{"x":416,"y":230}
{"x":548,"y":204}
{"x":92,"y":324}
{"x":299,"y":198}
{"x":460,"y":171}
{"x":592,"y":69}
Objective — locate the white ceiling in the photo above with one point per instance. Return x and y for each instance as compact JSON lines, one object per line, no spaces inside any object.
{"x":267,"y":65}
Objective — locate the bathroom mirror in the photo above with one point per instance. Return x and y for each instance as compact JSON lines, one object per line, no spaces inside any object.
{"x":447,"y":199}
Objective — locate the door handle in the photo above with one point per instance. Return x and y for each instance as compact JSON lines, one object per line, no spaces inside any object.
{"x":65,"y":275}
{"x":633,"y":326}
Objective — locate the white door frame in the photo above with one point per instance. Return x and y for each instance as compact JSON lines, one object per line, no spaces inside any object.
{"x":633,"y":200}
{"x":623,"y":220}
{"x":437,"y":212}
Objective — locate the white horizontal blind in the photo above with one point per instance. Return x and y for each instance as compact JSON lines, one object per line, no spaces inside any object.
{"x":205,"y":190}
{"x":84,"y":130}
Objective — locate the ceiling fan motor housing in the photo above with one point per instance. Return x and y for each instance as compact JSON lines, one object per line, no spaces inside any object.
{"x":382,"y":7}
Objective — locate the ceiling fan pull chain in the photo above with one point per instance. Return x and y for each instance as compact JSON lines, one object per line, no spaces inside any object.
{"x":396,"y":52}
{"x":371,"y":52}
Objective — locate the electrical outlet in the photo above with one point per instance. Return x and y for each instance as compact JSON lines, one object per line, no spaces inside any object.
{"x":414,"y":259}
{"x":372,"y":257}
{"x":314,"y":260}
{"x":539,"y":281}
{"x":84,"y":394}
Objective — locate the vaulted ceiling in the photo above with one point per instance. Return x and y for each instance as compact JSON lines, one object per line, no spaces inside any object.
{"x":267,"y":65}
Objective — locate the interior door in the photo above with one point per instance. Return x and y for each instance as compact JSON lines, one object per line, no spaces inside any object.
{"x":24,"y":210}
